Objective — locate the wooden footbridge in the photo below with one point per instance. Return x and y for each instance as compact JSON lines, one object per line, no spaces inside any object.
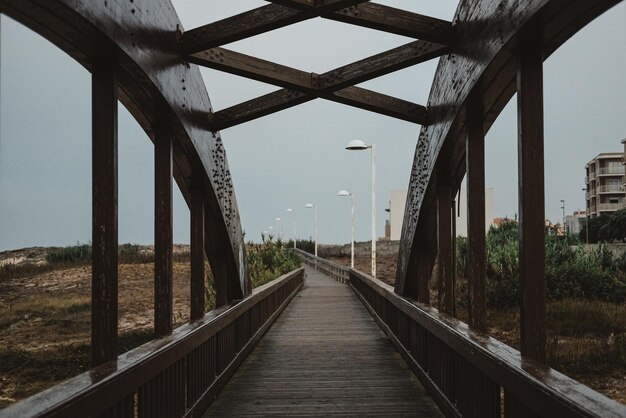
{"x":324,"y":355}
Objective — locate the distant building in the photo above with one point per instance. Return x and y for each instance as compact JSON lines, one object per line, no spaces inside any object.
{"x":397,"y":201}
{"x":497,"y":222}
{"x":461,"y":219}
{"x":575,"y":222}
{"x":605,"y":183}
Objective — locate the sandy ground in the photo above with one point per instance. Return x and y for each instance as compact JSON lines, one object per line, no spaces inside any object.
{"x":45,"y":319}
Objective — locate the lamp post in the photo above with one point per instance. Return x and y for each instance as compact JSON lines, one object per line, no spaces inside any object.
{"x":293,"y":212}
{"x":563,"y":209}
{"x":311,"y":205}
{"x":358,"y":145}
{"x":280,"y":235}
{"x":346,"y":193}
{"x":586,"y":216}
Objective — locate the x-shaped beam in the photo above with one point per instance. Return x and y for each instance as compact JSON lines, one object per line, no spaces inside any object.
{"x":336,"y":85}
{"x":299,"y":86}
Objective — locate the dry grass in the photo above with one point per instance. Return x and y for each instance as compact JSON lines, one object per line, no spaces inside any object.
{"x":45,"y":322}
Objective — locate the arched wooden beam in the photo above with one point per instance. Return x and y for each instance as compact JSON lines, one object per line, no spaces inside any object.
{"x":154,"y":80}
{"x":485,"y":66}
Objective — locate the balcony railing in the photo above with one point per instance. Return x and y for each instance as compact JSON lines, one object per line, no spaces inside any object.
{"x":611,"y":170}
{"x":609,"y":206}
{"x":611,"y":188}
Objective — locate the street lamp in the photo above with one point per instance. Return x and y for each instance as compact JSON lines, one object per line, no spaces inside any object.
{"x":358,"y":145}
{"x":346,"y":193}
{"x":311,"y":205}
{"x":280,"y":236}
{"x":563,"y":209}
{"x":586,"y":216}
{"x":293,"y":212}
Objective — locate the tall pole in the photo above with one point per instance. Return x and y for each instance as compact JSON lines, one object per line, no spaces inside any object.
{"x":280,"y":235}
{"x":293,"y":214}
{"x":352,"y":243}
{"x":315,"y":226}
{"x":563,"y":208}
{"x":373,"y":210}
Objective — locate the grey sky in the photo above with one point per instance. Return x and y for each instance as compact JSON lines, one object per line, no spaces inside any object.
{"x":293,"y":157}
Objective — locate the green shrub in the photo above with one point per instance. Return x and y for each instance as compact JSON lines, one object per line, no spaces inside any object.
{"x":269,"y":260}
{"x":79,"y":253}
{"x":301,"y":244}
{"x":570,"y":273}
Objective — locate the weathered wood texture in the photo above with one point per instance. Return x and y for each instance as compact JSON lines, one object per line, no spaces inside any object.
{"x":531,"y":200}
{"x":476,"y":240}
{"x":104,"y":289}
{"x":336,"y":85}
{"x":465,"y":370}
{"x":154,"y":80}
{"x":324,"y":356}
{"x":274,"y":16}
{"x":163,"y":231}
{"x":254,"y":22}
{"x":198,"y":274}
{"x":487,"y":33}
{"x":445,"y":249}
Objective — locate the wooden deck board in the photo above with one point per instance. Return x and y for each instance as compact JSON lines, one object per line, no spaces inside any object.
{"x":324,"y":356}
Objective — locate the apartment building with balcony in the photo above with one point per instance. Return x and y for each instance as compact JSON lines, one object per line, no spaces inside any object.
{"x":605,"y":183}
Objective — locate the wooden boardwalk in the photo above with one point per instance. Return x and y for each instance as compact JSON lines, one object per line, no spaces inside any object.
{"x":324,"y":356}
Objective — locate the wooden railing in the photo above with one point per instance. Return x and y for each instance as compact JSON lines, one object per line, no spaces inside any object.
{"x":470,"y":374}
{"x":175,"y":376}
{"x":334,"y":270}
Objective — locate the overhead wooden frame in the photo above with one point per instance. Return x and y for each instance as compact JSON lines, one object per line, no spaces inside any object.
{"x":202,"y":47}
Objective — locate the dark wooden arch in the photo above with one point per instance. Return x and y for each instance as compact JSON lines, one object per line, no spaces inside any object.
{"x":483,"y":72}
{"x":132,"y":50}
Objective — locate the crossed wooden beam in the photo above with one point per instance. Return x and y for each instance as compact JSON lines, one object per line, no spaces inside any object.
{"x":202,"y":46}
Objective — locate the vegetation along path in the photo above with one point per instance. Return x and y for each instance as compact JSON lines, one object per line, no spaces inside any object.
{"x":324,"y":355}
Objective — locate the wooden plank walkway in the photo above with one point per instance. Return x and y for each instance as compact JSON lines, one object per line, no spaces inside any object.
{"x":324,"y":356}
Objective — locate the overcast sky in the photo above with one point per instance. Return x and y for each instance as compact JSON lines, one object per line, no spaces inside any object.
{"x":293,"y":157}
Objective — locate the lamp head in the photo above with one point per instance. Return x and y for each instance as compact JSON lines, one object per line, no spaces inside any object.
{"x":289,"y":210}
{"x":277,"y":219}
{"x":343,"y":193}
{"x":309,"y":205}
{"x":356,"y":145}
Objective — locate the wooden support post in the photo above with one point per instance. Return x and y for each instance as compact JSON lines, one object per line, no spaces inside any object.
{"x":163,"y":296}
{"x":197,"y":254}
{"x":445,"y":248}
{"x":104,"y":289}
{"x":476,"y":253}
{"x":531,"y":201}
{"x":220,"y":280}
{"x":423,"y":276}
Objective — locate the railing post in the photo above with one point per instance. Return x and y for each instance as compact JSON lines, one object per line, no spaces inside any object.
{"x":163,"y":297}
{"x":423,"y":276}
{"x":219,"y":272}
{"x":531,"y":199}
{"x":476,"y":258}
{"x":445,"y":245}
{"x":197,"y":253}
{"x":104,"y":276}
